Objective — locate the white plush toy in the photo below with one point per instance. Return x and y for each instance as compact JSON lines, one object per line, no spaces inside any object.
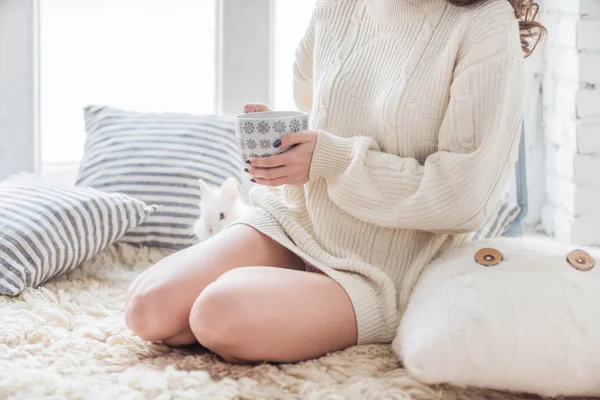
{"x":219,"y":207}
{"x":522,"y":315}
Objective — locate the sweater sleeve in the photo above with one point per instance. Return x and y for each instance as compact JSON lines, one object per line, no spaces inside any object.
{"x":303,"y":69}
{"x":451,"y":192}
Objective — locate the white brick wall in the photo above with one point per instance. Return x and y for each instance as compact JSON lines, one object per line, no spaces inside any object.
{"x":571,"y":120}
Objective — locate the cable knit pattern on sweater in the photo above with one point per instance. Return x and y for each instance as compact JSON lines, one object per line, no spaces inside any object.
{"x":418,"y":105}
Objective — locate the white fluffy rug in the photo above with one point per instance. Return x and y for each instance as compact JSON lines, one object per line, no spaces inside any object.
{"x":68,"y":340}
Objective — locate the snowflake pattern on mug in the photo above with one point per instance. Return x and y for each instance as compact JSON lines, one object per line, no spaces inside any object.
{"x":304,"y":124}
{"x":242,"y":143}
{"x":252,"y":155}
{"x":251,"y":144}
{"x":294,"y":125}
{"x":249,"y":127}
{"x":266,"y":155}
{"x":279,"y":127}
{"x":265,"y":143}
{"x":263,"y":127}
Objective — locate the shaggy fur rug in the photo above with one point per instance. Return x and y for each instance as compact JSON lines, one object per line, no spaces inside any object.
{"x":68,"y":340}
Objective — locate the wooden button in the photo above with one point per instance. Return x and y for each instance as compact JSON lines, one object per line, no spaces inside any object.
{"x":488,"y":257}
{"x":581,"y":260}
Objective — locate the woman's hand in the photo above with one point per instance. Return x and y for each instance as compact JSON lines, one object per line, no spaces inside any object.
{"x":249,"y":108}
{"x":289,"y":168}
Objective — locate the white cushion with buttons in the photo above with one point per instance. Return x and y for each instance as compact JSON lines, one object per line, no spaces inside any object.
{"x":510,"y":314}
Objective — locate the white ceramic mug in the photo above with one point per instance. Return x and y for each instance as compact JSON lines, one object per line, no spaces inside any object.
{"x":257,"y":132}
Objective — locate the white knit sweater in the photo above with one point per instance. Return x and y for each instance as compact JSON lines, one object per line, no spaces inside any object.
{"x":418,"y":105}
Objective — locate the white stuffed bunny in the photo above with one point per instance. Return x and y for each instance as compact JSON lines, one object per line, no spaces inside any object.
{"x":219,"y":207}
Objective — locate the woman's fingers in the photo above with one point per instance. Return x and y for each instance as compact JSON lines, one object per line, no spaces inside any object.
{"x":290,"y":139}
{"x":268,"y":173}
{"x":273,"y":182}
{"x":249,"y":108}
{"x":278,"y":160}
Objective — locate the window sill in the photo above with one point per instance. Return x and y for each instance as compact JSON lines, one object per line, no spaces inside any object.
{"x":60,"y":173}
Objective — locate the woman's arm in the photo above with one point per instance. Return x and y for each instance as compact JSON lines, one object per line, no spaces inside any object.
{"x":451,"y":192}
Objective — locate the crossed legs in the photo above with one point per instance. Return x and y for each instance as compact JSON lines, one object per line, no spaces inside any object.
{"x":243,"y":296}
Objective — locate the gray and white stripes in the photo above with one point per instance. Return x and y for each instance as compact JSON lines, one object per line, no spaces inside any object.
{"x":504,"y":214}
{"x":47,"y":230}
{"x":158,"y":158}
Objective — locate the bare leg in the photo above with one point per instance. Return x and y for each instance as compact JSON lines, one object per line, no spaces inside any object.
{"x":183,"y":338}
{"x":160,"y":299}
{"x":272,"y":314}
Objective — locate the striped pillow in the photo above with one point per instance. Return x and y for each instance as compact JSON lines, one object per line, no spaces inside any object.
{"x":47,"y":230}
{"x":158,"y":158}
{"x":504,"y":214}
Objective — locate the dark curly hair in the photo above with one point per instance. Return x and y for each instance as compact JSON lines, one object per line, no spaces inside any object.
{"x":527,"y":12}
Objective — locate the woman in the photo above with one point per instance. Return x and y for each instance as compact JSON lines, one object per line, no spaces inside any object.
{"x":415,"y":114}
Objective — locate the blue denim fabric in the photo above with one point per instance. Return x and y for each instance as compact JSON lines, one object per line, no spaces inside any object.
{"x":515,"y":229}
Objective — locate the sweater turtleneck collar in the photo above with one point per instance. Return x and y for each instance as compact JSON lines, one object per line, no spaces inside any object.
{"x":397,"y":11}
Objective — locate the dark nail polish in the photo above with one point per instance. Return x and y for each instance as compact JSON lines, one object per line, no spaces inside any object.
{"x":246,"y":170}
{"x":277,"y":143}
{"x":252,"y":180}
{"x":248,"y":162}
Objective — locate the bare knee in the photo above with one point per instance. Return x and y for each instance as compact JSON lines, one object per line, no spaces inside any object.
{"x":143,"y":313}
{"x":219,"y":321}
